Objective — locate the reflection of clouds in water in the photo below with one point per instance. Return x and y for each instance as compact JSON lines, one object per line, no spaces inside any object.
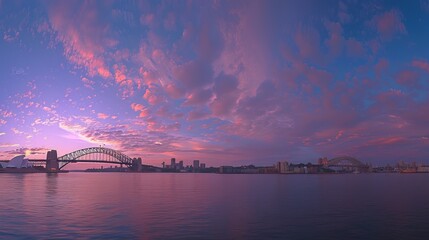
{"x":214,"y":206}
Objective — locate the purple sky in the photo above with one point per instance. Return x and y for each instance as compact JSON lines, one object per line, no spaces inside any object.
{"x":226,"y":82}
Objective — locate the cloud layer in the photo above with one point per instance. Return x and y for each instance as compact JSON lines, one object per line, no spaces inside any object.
{"x":225,"y":82}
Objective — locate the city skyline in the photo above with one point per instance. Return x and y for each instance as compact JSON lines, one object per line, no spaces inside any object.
{"x":225,"y":82}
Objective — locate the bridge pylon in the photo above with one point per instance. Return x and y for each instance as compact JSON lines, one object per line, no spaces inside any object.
{"x":52,"y":164}
{"x":137,"y":165}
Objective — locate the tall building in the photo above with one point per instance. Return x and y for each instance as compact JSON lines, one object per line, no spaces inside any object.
{"x":173,"y":163}
{"x":196,"y":164}
{"x":282,"y":167}
{"x":202,"y":165}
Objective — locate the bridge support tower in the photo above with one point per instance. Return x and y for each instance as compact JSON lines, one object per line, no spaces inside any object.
{"x":137,"y":165}
{"x":52,"y":164}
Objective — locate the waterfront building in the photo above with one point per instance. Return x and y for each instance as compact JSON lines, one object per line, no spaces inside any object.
{"x":173,"y":163}
{"x":196,"y":164}
{"x":202,"y":165}
{"x":282,"y":167}
{"x":226,"y":169}
{"x":268,"y":170}
{"x":423,"y":169}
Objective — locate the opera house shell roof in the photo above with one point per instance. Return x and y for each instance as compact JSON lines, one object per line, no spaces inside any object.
{"x":18,"y":162}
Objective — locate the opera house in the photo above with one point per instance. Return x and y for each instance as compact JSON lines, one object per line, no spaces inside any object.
{"x":17,"y":164}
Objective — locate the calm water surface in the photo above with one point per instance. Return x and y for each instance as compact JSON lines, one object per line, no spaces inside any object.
{"x":214,"y":206}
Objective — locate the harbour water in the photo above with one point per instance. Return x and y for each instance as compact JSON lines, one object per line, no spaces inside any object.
{"x":213,"y":206}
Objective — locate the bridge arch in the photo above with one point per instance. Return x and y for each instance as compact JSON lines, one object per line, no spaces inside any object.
{"x":116,"y":156}
{"x":351,"y":160}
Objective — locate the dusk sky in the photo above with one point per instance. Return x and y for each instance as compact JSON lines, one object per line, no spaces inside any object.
{"x":225,"y":82}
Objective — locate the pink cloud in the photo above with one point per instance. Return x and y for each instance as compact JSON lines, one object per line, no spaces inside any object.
{"x":195,"y":74}
{"x":143,"y":111}
{"x":10,"y":36}
{"x":318,"y":77}
{"x":83,"y":37}
{"x":120,"y":55}
{"x":158,"y":55}
{"x":198,"y":114}
{"x":137,"y":107}
{"x":226,"y":95}
{"x":174,"y":91}
{"x":385,"y":141}
{"x":170,"y":21}
{"x":102,"y":116}
{"x":408,"y":78}
{"x":197,"y":97}
{"x":374,"y":45}
{"x":381,"y":65}
{"x":149,"y":77}
{"x":156,"y":126}
{"x":16,"y":131}
{"x":147,"y":19}
{"x":389,"y":24}
{"x":153,"y":95}
{"x":343,"y":14}
{"x":422,"y":64}
{"x":6,"y":114}
{"x":223,"y":106}
{"x":335,"y":42}
{"x":210,"y":42}
{"x":390,"y":102}
{"x":126,"y":84}
{"x":308,"y":41}
{"x":88,"y":83}
{"x":355,"y":48}
{"x":120,"y":72}
{"x":418,"y":116}
{"x":248,"y":44}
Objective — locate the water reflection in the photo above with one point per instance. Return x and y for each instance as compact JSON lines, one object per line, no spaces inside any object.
{"x":212,"y":206}
{"x":51,"y":184}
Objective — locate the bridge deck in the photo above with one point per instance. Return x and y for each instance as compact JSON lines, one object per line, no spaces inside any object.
{"x":74,"y":161}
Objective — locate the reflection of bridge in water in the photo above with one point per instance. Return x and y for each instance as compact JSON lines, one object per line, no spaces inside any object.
{"x":88,"y":155}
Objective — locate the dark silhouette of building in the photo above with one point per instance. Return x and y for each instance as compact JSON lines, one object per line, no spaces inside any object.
{"x":52,"y":164}
{"x":173,"y":163}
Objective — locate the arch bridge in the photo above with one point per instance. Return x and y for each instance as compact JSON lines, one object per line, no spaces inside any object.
{"x":97,"y":155}
{"x":345,"y":161}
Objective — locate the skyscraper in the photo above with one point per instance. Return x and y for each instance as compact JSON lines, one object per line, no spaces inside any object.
{"x":173,"y":163}
{"x":196,"y":164}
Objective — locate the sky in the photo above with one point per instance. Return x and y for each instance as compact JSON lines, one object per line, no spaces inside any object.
{"x":225,"y":82}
